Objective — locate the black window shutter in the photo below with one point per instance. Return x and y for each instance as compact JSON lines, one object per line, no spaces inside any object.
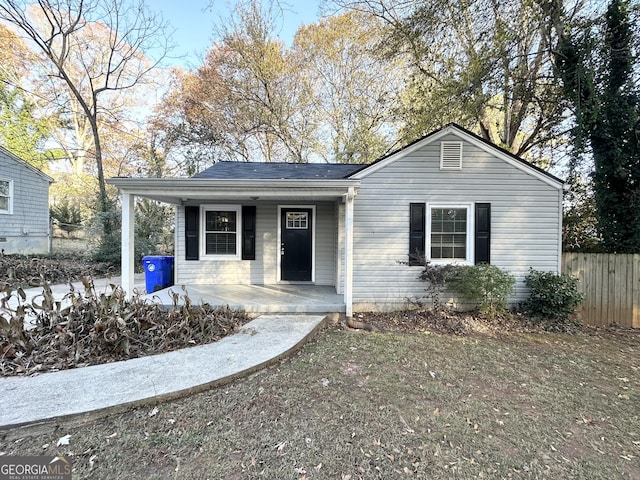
{"x":416,"y":233}
{"x":483,"y":233}
{"x":191,"y":232}
{"x":249,"y":232}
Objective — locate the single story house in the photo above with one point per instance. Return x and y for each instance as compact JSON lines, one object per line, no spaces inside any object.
{"x":451,"y":195}
{"x":24,"y":206}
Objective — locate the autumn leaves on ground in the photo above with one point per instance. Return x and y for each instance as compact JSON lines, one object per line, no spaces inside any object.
{"x":434,"y":396}
{"x":354,"y":405}
{"x":88,"y":326}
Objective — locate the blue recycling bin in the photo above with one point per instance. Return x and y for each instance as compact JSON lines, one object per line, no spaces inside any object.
{"x":158,"y":272}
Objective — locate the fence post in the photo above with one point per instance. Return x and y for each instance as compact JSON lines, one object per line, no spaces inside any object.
{"x":635,"y":323}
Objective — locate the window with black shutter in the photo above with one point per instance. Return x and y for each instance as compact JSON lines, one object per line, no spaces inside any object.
{"x":191,"y":231}
{"x":483,"y":233}
{"x":249,"y":232}
{"x":447,"y":233}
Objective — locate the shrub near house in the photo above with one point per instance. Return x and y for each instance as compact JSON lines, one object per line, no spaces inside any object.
{"x":552,"y":296}
{"x":552,"y":301}
{"x":485,"y":285}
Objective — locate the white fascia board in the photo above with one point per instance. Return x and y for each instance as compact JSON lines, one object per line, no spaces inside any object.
{"x":474,"y":141}
{"x":510,"y":160}
{"x":399,"y":154}
{"x":197,"y":188}
{"x":26,"y":164}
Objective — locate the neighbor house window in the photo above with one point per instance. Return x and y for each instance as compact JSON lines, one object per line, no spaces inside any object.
{"x":221,"y":231}
{"x":450,"y":230}
{"x":6,"y":191}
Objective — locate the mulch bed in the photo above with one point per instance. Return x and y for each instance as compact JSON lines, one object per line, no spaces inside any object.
{"x":450,"y":322}
{"x":102,"y":328}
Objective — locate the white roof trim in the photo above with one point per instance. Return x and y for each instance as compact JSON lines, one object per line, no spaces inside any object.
{"x":176,"y":190}
{"x":452,"y":129}
{"x":26,"y":164}
{"x":177,"y":183}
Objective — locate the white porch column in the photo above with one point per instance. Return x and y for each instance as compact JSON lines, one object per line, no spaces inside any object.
{"x":127,"y":249}
{"x":348,"y":251}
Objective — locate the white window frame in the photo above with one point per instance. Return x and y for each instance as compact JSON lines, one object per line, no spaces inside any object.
{"x":10,"y":210}
{"x":470,"y":233}
{"x":443,"y":147}
{"x":203,"y":236}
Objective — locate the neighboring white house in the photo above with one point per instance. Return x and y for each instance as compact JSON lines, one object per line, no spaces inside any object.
{"x":24,"y":206}
{"x":450,"y":195}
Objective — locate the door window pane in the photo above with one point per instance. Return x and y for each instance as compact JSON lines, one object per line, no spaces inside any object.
{"x":297,"y":220}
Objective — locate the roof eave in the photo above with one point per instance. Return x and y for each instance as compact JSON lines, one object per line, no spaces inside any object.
{"x":27,"y":165}
{"x":181,"y":190}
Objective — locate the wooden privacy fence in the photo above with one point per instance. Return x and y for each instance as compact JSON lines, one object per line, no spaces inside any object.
{"x":610,"y":284}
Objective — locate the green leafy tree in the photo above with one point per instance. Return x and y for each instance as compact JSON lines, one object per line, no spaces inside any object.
{"x":21,"y":130}
{"x":67,"y":216}
{"x":579,"y":224}
{"x":154,"y":221}
{"x":154,"y":234}
{"x":353,"y":92}
{"x":245,"y":102}
{"x":24,"y":126}
{"x":328,"y":97}
{"x":598,"y":69}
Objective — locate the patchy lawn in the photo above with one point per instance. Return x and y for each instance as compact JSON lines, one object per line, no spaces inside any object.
{"x":355,"y":405}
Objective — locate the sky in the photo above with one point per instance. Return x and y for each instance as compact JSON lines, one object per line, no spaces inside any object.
{"x":193,"y":22}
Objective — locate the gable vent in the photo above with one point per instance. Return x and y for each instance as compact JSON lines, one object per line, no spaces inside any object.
{"x":451,"y":156}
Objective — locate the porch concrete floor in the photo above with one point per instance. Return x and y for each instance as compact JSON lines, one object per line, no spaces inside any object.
{"x":259,"y":298}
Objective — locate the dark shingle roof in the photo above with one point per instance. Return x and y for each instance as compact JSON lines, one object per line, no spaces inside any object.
{"x":274,"y":171}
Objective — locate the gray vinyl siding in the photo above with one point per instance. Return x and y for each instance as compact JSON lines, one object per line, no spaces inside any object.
{"x":264,"y":269}
{"x":525,"y":220}
{"x":26,"y":229}
{"x":325,"y":245}
{"x":339,"y":211}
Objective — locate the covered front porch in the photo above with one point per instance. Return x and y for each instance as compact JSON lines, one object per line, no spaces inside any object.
{"x":257,"y":298}
{"x":254,"y":283}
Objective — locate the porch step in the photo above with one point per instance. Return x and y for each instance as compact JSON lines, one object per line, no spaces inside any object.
{"x":259,"y":298}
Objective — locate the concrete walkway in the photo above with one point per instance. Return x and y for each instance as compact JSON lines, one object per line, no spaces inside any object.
{"x":96,"y":390}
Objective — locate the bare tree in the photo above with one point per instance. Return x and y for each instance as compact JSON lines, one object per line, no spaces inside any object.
{"x":96,"y":49}
{"x":247,"y":101}
{"x":482,"y":63}
{"x":352,"y":91}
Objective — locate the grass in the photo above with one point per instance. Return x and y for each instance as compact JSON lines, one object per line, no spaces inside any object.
{"x":352,"y":405}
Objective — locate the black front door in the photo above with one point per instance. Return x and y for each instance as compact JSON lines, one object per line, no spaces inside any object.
{"x":295,"y":247}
